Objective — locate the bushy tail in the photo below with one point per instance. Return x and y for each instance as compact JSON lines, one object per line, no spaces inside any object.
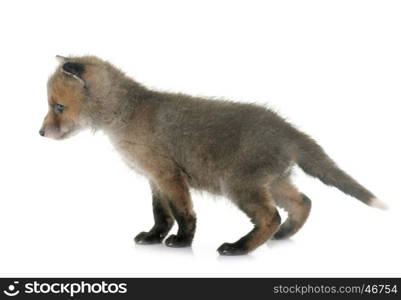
{"x":315,"y":162}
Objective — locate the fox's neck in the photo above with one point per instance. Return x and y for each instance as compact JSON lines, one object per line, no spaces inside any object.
{"x":112,"y":109}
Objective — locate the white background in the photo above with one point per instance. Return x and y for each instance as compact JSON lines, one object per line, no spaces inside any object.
{"x":333,"y":68}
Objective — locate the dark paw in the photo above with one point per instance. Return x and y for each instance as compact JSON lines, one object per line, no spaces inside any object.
{"x":284,"y":232}
{"x":148,"y":238}
{"x":232,"y":249}
{"x":177,"y":241}
{"x":281,"y":235}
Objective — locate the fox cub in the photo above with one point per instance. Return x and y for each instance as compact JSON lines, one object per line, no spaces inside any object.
{"x":242,"y":151}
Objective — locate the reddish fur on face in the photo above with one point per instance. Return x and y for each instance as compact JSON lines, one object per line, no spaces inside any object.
{"x":62,"y":91}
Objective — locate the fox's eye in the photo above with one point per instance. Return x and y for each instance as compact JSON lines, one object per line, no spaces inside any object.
{"x":59,"y":108}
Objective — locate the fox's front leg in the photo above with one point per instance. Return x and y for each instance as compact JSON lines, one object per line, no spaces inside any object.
{"x":174,"y":187}
{"x":163,"y":220}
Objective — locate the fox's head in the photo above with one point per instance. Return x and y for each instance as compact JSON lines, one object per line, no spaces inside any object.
{"x":79,"y":95}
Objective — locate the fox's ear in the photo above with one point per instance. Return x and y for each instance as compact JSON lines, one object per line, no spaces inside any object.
{"x":71,"y":68}
{"x":61,"y":59}
{"x":74,"y":70}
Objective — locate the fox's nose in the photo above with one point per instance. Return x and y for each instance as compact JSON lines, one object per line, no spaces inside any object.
{"x":42,"y":132}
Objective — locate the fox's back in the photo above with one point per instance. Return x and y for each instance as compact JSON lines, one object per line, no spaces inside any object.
{"x":220,"y":138}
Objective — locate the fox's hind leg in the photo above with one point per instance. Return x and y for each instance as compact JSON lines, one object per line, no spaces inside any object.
{"x":259,"y":207}
{"x":163,"y":220}
{"x":296,"y":204}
